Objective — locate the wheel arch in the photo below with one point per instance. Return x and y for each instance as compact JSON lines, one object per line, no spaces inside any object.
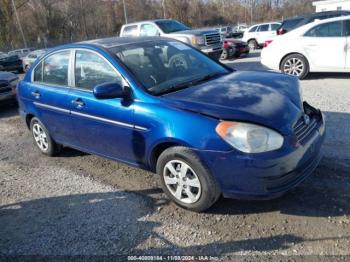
{"x":28,"y":118}
{"x":293,"y":53}
{"x":159,"y":148}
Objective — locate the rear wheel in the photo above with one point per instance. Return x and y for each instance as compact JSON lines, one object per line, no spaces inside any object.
{"x":186,"y":180}
{"x":296,"y":65}
{"x":253,"y":44}
{"x":42,"y":138}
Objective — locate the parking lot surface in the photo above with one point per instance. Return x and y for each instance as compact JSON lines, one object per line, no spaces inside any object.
{"x":80,"y":204}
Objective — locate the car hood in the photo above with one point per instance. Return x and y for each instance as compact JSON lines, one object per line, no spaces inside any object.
{"x":7,"y":76}
{"x":196,"y":32}
{"x":266,"y":98}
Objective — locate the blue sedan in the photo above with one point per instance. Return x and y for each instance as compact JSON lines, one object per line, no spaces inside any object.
{"x":160,"y":105}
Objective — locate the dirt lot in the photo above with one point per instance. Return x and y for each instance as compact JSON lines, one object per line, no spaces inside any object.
{"x":77,"y":203}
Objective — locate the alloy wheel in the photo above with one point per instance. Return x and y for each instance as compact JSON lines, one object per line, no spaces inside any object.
{"x":293,"y":66}
{"x":182,"y":182}
{"x":40,"y":137}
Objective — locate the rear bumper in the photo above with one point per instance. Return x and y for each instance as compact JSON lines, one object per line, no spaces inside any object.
{"x":267,"y":175}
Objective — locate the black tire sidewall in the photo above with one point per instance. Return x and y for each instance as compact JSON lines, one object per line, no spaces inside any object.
{"x":51,"y":144}
{"x":210,"y":191}
{"x":304,"y":61}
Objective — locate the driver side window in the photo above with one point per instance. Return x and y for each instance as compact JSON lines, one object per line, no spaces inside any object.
{"x":92,"y":70}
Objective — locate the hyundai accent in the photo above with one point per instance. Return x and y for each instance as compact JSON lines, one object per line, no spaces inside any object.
{"x":161,"y":105}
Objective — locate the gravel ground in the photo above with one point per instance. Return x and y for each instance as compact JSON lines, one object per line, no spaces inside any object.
{"x":77,"y":203}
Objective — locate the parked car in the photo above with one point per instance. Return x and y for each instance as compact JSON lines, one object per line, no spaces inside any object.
{"x":225,"y":31}
{"x":8,"y":82}
{"x":29,"y":59}
{"x":292,"y":23}
{"x":234,"y":48}
{"x":256,"y":35}
{"x":207,"y":40}
{"x":321,"y":46}
{"x":10,"y":63}
{"x":20,"y":52}
{"x":240,"y":28}
{"x":162,"y":105}
{"x":238,"y":31}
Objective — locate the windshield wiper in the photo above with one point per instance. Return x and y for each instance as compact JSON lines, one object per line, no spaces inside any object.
{"x":180,"y":86}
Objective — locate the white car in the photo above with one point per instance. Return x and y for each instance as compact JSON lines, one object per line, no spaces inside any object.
{"x":321,"y":46}
{"x":256,"y":35}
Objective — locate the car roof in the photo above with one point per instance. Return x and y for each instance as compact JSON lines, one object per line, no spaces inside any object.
{"x":308,"y":26}
{"x":148,"y":21}
{"x":266,"y":23}
{"x":119,"y":41}
{"x":310,"y":15}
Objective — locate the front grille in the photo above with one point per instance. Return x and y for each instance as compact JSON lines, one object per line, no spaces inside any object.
{"x":5,"y":90}
{"x":307,"y":124}
{"x":304,"y":130}
{"x":212,"y":39}
{"x":4,"y":84}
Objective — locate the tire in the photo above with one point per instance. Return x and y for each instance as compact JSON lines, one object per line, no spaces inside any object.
{"x":224,"y":55}
{"x":295,"y":64}
{"x":253,"y":44}
{"x":204,"y":190}
{"x":42,"y":138}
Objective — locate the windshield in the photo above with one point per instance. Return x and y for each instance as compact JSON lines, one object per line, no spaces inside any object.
{"x":170,"y":26}
{"x":291,"y":24}
{"x":163,"y":66}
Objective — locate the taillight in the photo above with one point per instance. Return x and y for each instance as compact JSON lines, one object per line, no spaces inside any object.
{"x":281,"y":31}
{"x":267,"y":42}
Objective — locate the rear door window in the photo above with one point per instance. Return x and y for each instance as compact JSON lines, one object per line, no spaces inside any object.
{"x":263,"y":28}
{"x":333,"y":29}
{"x":55,"y":68}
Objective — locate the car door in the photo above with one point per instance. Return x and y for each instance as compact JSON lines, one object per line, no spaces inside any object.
{"x":102,"y":126}
{"x":325,"y":46}
{"x":262,"y":34}
{"x":49,"y":93}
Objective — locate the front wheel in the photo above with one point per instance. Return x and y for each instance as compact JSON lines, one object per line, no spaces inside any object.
{"x":295,"y":65}
{"x":224,"y":54}
{"x":42,"y":138}
{"x":185,"y":180}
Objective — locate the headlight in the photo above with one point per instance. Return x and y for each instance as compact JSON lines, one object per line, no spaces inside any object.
{"x":198,"y":40}
{"x":249,"y":138}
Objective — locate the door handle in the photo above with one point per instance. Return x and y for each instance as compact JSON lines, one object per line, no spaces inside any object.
{"x":36,"y":94}
{"x":78,"y":102}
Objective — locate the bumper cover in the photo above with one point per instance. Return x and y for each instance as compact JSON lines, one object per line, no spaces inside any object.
{"x":267,"y":175}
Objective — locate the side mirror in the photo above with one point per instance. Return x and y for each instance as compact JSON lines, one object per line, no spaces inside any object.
{"x":109,"y":90}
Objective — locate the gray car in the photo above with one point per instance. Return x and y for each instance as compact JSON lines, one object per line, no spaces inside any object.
{"x":30,"y":58}
{"x":8,"y":83}
{"x":208,"y":41}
